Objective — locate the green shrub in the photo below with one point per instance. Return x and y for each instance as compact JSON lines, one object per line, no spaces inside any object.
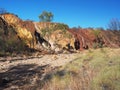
{"x":61,"y":26}
{"x":96,"y":32}
{"x":10,"y":43}
{"x":58,"y":26}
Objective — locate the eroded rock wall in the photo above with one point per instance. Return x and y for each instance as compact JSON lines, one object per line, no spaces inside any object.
{"x":24,"y":29}
{"x":58,"y":36}
{"x":89,"y":38}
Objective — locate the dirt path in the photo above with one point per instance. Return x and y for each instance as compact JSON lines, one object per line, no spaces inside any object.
{"x":52,"y":60}
{"x":21,"y":72}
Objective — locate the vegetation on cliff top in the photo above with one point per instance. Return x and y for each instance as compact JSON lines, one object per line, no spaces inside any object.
{"x":46,"y":16}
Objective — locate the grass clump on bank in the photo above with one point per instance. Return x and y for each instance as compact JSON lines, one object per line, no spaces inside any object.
{"x":95,"y":70}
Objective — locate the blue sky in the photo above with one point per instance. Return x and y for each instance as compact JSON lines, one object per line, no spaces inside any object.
{"x":84,"y":13}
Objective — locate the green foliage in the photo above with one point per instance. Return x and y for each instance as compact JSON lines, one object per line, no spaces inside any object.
{"x":97,"y":45}
{"x":58,"y":26}
{"x":96,"y":32}
{"x":107,"y":64}
{"x":68,"y":35}
{"x":10,"y":43}
{"x":46,"y":31}
{"x":108,"y":79}
{"x":61,"y":26}
{"x":46,"y":16}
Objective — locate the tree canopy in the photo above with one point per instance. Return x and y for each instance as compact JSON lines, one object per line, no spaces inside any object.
{"x":46,"y":16}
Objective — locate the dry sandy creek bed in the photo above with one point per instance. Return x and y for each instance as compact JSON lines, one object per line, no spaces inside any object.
{"x":18,"y":73}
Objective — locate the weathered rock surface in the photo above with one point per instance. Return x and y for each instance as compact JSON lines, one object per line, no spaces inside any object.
{"x":56,"y":36}
{"x":88,"y":38}
{"x":25,"y":30}
{"x":32,"y":33}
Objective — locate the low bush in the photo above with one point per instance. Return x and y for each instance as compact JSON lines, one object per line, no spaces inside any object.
{"x":10,"y":43}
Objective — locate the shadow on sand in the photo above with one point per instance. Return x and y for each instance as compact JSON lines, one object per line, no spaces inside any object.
{"x":21,"y":76}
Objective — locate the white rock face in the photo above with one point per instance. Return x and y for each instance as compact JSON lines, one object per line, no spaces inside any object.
{"x":46,"y":45}
{"x":58,"y":49}
{"x":52,"y":43}
{"x":36,"y":27}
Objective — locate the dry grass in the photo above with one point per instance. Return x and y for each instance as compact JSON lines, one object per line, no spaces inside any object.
{"x":93,"y":70}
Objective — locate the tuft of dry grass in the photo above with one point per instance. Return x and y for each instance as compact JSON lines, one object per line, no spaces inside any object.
{"x":92,"y":70}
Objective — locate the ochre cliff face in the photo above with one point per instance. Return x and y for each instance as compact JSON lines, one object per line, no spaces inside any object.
{"x":23,"y":29}
{"x":11,"y":19}
{"x":26,"y":31}
{"x":62,"y":38}
{"x":79,"y":39}
{"x":55,"y":36}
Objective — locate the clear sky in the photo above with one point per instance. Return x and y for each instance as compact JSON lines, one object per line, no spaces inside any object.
{"x":84,"y":13}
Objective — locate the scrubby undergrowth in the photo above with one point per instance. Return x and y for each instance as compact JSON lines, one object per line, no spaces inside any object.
{"x":92,"y":70}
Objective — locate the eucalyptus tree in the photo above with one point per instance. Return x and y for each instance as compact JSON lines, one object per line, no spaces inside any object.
{"x":46,"y":16}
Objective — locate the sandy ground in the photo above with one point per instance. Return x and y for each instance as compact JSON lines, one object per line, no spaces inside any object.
{"x":51,"y":60}
{"x":21,"y":73}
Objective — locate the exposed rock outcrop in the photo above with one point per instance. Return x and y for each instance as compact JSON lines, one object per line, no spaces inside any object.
{"x":25,"y":30}
{"x":89,"y":38}
{"x":57,"y":36}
